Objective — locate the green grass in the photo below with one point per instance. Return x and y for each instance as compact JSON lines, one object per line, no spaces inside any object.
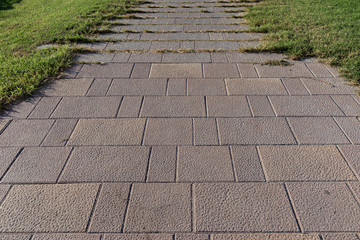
{"x":30,"y":23}
{"x":327,"y":29}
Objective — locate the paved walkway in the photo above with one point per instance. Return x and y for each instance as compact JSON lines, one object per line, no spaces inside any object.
{"x":177,"y":135}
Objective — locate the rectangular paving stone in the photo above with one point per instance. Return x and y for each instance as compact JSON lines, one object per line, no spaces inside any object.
{"x":177,"y":87}
{"x":295,"y":86}
{"x":45,"y":107}
{"x":260,"y":106}
{"x":60,"y":132}
{"x":205,"y":163}
{"x":247,"y":164}
{"x":227,"y":106}
{"x":191,"y":236}
{"x":99,"y":164}
{"x":4,"y":189}
{"x":254,"y":131}
{"x":141,"y":70}
{"x":121,"y":57}
{"x":121,"y":131}
{"x":67,"y":87}
{"x":25,"y":133}
{"x":352,"y":156}
{"x":159,"y":207}
{"x":129,"y":236}
{"x":15,"y":237}
{"x":95,"y":57}
{"x":255,"y":86}
{"x":182,"y":70}
{"x":347,"y":104}
{"x":130,"y":106}
{"x":247,"y":70}
{"x":351,"y":127}
{"x":243,"y":207}
{"x":220,"y":70}
{"x":339,"y":236}
{"x":129,"y":46}
{"x":186,"y":57}
{"x":38,"y":165}
{"x":273,"y":236}
{"x":68,"y":236}
{"x":109,"y":70}
{"x":7,"y":155}
{"x":295,"y":70}
{"x":134,"y":36}
{"x":145,"y":57}
{"x":138,"y":87}
{"x":110,"y":208}
{"x":319,"y":130}
{"x":86,"y":107}
{"x":304,"y":163}
{"x":206,"y":87}
{"x":174,"y":106}
{"x":21,"y":109}
{"x":47,"y":208}
{"x":99,"y":87}
{"x":168,"y":131}
{"x":72,"y":71}
{"x":305,"y":106}
{"x":235,"y":57}
{"x":324,"y":207}
{"x":205,"y":131}
{"x":162,"y":164}
{"x":327,"y":86}
{"x":164,"y":45}
{"x":225,"y":45}
{"x":187,"y":44}
{"x":3,"y":124}
{"x":319,"y":70}
{"x":218,"y":57}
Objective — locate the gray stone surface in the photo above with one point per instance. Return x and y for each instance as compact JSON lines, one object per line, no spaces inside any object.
{"x":260,"y":106}
{"x":7,"y":155}
{"x":295,"y":86}
{"x":162,"y":164}
{"x":67,"y":87}
{"x":95,"y":57}
{"x":45,"y":107}
{"x":255,"y":86}
{"x":69,"y":236}
{"x":327,"y":86}
{"x":247,"y":70}
{"x":138,"y":236}
{"x":227,"y":106}
{"x":206,"y":87}
{"x":21,"y":109}
{"x":274,"y":236}
{"x":191,"y":236}
{"x":47,"y":208}
{"x":145,"y":57}
{"x":177,"y":87}
{"x":15,"y":237}
{"x":295,"y":70}
{"x":109,"y":70}
{"x":60,"y":132}
{"x":3,"y":124}
{"x":205,"y":131}
{"x":220,"y":70}
{"x":352,"y":156}
{"x":130,"y":106}
{"x":141,"y":87}
{"x":337,"y":236}
{"x":319,"y":70}
{"x":99,"y":87}
{"x":347,"y":104}
{"x":351,"y":127}
{"x":186,"y":57}
{"x":4,"y":189}
{"x":141,"y":70}
{"x":191,"y":70}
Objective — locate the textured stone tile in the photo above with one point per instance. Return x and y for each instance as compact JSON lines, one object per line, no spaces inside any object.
{"x":109,"y":70}
{"x":177,"y":87}
{"x":141,"y":70}
{"x":351,"y":127}
{"x":159,"y":207}
{"x":199,"y":164}
{"x":304,"y":163}
{"x":3,"y":124}
{"x":162,"y":164}
{"x":319,"y":70}
{"x":247,"y":70}
{"x":95,"y":57}
{"x":21,"y":109}
{"x":220,"y":70}
{"x":70,"y":236}
{"x":182,"y":70}
{"x":138,"y":236}
{"x":122,"y":131}
{"x":7,"y":155}
{"x":227,"y":106}
{"x":45,"y":107}
{"x":129,"y":46}
{"x":243,"y":57}
{"x":206,"y":87}
{"x":140,"y":87}
{"x":187,"y":57}
{"x":169,"y":131}
{"x":47,"y":208}
{"x":205,"y":131}
{"x":295,"y":86}
{"x":25,"y":132}
{"x":191,"y":236}
{"x":254,"y":131}
{"x":164,"y":45}
{"x":243,"y":207}
{"x":247,"y":164}
{"x":325,"y":207}
{"x":347,"y":104}
{"x":305,"y":106}
{"x":134,"y":36}
{"x":121,"y":57}
{"x":187,"y":44}
{"x":255,"y":86}
{"x":271,"y":56}
{"x":4,"y":188}
{"x":260,"y":106}
{"x":327,"y":86}
{"x":339,"y":236}
{"x":188,"y":36}
{"x":38,"y":165}
{"x":130,"y":106}
{"x":218,"y":57}
{"x":317,"y":131}
{"x":60,"y":132}
{"x":99,"y":87}
{"x":86,"y":107}
{"x":67,"y":87}
{"x":352,"y":156}
{"x":296,"y":70}
{"x":145,"y":57}
{"x":175,"y":106}
{"x":99,"y":164}
{"x":284,"y":236}
{"x":15,"y":237}
{"x":110,"y":208}
{"x":72,"y":71}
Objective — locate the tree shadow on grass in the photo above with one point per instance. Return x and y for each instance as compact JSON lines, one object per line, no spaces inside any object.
{"x":7,"y":4}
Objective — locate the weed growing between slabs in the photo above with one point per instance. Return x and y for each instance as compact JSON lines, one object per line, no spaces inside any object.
{"x":328,"y":29}
{"x":30,"y":23}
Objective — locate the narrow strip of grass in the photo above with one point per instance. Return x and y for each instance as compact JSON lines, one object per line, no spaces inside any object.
{"x":327,"y":29}
{"x":30,"y":23}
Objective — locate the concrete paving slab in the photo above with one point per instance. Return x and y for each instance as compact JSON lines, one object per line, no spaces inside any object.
{"x":352,"y":156}
{"x":236,"y":57}
{"x":109,"y":70}
{"x":7,"y":156}
{"x":121,"y":57}
{"x":190,"y":70}
{"x":95,"y":57}
{"x":351,"y":127}
{"x":275,"y":236}
{"x":3,"y":124}
{"x":129,"y":46}
{"x":319,"y":70}
{"x":206,"y":87}
{"x":295,"y":86}
{"x":99,"y":87}
{"x":138,"y":87}
{"x":295,"y":70}
{"x":162,"y":164}
{"x":4,"y":189}
{"x":138,"y":236}
{"x":318,"y":86}
{"x":191,"y":236}
{"x":69,"y":236}
{"x":186,"y":57}
{"x":255,"y":86}
{"x":260,"y":106}
{"x":15,"y":237}
{"x":218,"y":57}
{"x":130,"y":106}
{"x":347,"y":104}
{"x":141,"y":70}
{"x":145,"y":57}
{"x":339,"y":236}
{"x":67,"y":87}
{"x":21,"y":109}
{"x":227,"y":106}
{"x":220,"y":70}
{"x":60,"y":132}
{"x":45,"y":107}
{"x":247,"y":70}
{"x":177,"y":87}
{"x":205,"y":131}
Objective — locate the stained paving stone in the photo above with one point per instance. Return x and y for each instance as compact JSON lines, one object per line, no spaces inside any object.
{"x":169,"y":131}
{"x":7,"y":156}
{"x":60,"y":132}
{"x":347,"y":104}
{"x":45,"y":107}
{"x":22,"y":109}
{"x":68,"y":236}
{"x":319,"y":130}
{"x":304,"y":163}
{"x":305,"y":106}
{"x":139,"y":87}
{"x":67,"y":87}
{"x":205,"y":131}
{"x":318,"y":86}
{"x":162,"y":164}
{"x":191,"y":236}
{"x":295,"y":86}
{"x":247,"y":70}
{"x":220,"y":70}
{"x":130,"y":106}
{"x":201,"y":164}
{"x":352,"y":156}
{"x":25,"y":132}
{"x":351,"y":127}
{"x":174,"y":106}
{"x":254,"y":131}
{"x":99,"y":164}
{"x":227,"y":106}
{"x":186,"y":57}
{"x":191,"y":70}
{"x":177,"y":87}
{"x":127,"y":131}
{"x":324,"y":207}
{"x":95,"y":57}
{"x":37,"y":165}
{"x":247,"y":164}
{"x":15,"y":237}
{"x":296,"y":70}
{"x":157,"y":207}
{"x":283,"y":236}
{"x":47,"y":208}
{"x":319,"y":70}
{"x":109,"y":70}
{"x":141,"y":70}
{"x":339,"y":236}
{"x":87,"y":107}
{"x":138,"y":236}
{"x":145,"y":57}
{"x":206,"y":87}
{"x":260,"y":106}
{"x":229,"y":209}
{"x":255,"y":86}
{"x":110,"y":208}
{"x":99,"y":87}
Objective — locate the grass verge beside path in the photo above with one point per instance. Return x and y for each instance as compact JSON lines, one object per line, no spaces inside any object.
{"x":31,"y":23}
{"x":327,"y":29}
